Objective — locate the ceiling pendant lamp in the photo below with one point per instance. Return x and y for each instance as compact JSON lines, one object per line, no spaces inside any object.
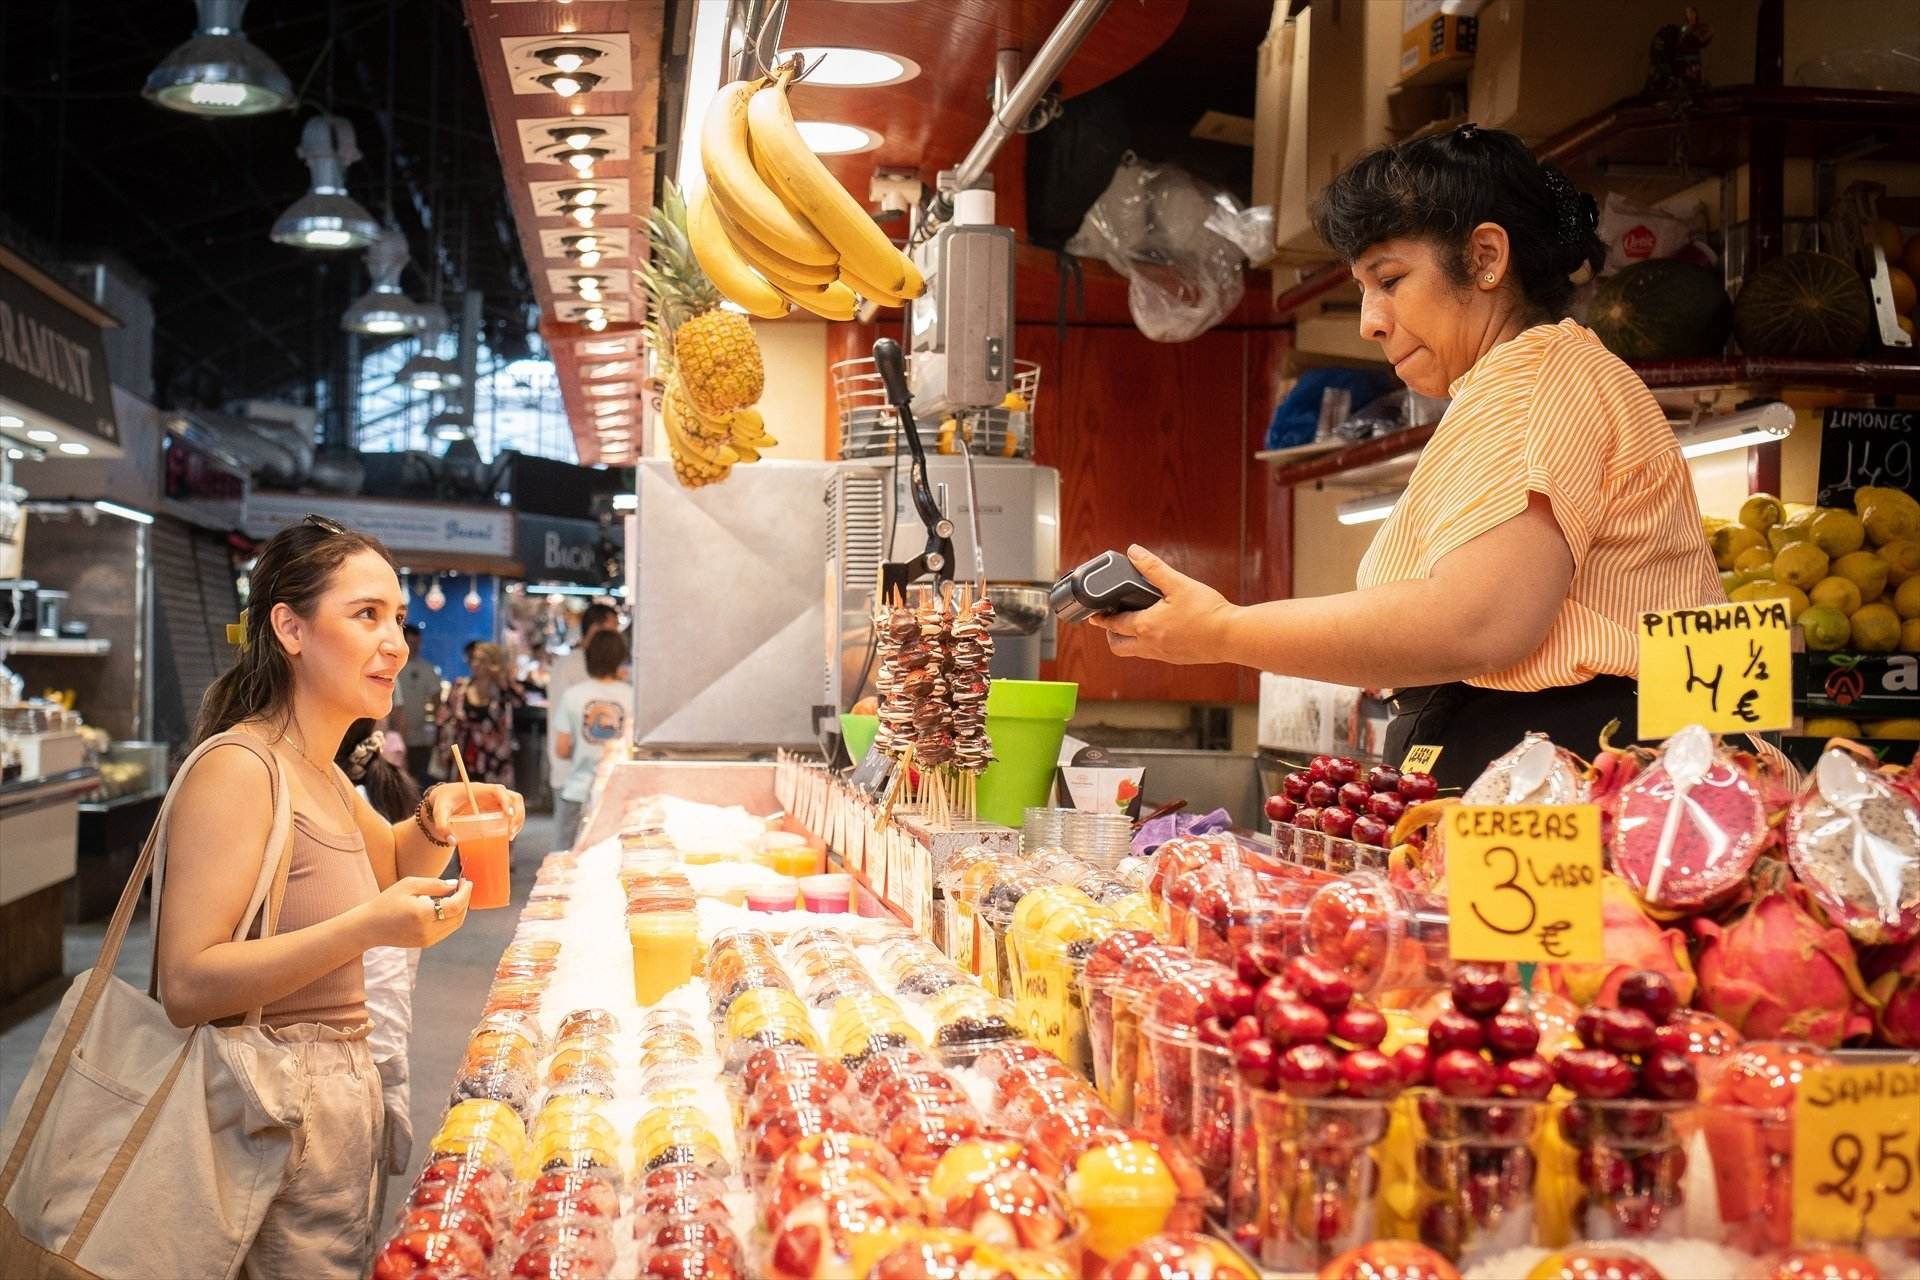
{"x":219,"y":72}
{"x":326,"y":217}
{"x":385,"y":310}
{"x":426,"y":369}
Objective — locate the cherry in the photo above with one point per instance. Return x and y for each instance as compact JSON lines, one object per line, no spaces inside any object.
{"x":1342,"y":769}
{"x":1512,"y":1035}
{"x":1451,"y":1029}
{"x":1295,"y":1022}
{"x":1528,"y":1077}
{"x":1294,"y":787}
{"x":1650,"y":992}
{"x":1479,"y":991}
{"x":1414,"y":1062}
{"x":1418,"y":788}
{"x":1669,"y":1076}
{"x":1309,"y":1070}
{"x":1371,"y":831}
{"x":1386,"y":806}
{"x":1307,"y":819}
{"x":1256,"y":962}
{"x":1337,"y":822}
{"x":1280,"y":809}
{"x":1244,"y":1030}
{"x":1587,"y":1027}
{"x":1361,"y":1026}
{"x":1318,"y":767}
{"x":1233,"y":998}
{"x":1368,"y":1073}
{"x":1217,"y":1030}
{"x":1461,"y":1073}
{"x":1323,"y":794}
{"x":1354,"y":796}
{"x":1270,"y":997}
{"x":1319,"y":983}
{"x":1256,"y":1061}
{"x":1594,"y":1073}
{"x":1626,"y":1031}
{"x":796,"y":1251}
{"x":1383,"y":778}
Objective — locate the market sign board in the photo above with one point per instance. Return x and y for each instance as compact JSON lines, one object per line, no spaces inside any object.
{"x":1874,"y":686}
{"x":1860,"y":447}
{"x":432,"y":527}
{"x":1727,"y":667}
{"x":560,"y":549}
{"x":53,"y":361}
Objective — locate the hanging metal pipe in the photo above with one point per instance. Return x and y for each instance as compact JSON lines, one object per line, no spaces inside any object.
{"x":1039,"y":76}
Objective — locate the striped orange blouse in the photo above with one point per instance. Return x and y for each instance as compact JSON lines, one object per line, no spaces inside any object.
{"x":1553,"y":412}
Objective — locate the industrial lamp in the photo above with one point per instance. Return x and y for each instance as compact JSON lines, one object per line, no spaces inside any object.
{"x":219,"y":72}
{"x":326,"y":217}
{"x":385,"y":310}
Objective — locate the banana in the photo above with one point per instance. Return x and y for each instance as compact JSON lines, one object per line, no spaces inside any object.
{"x":750,"y":429}
{"x":731,"y":273}
{"x":791,"y":169}
{"x":871,"y":292}
{"x":835,"y":302}
{"x":727,"y":156}
{"x":691,"y":446}
{"x":783,"y":272}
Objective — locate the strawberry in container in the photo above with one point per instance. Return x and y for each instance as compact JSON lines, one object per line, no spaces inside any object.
{"x":1126,"y":993}
{"x":1170,"y":1032}
{"x":824,"y":1161}
{"x":1746,"y":1117}
{"x":1378,"y":936}
{"x":919,"y":1133}
{"x":840,"y":1231}
{"x":1685,"y":832}
{"x":1853,"y":838}
{"x":427,"y":1254}
{"x":942,"y":1253}
{"x":1105,"y":963}
{"x":986,"y":1188}
{"x":576,"y":1248}
{"x":1183,"y":1255}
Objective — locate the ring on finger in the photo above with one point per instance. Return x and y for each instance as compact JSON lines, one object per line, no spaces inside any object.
{"x":439,"y":910}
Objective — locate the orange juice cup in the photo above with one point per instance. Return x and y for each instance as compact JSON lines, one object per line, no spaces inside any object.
{"x":663,"y":947}
{"x":796,"y":860}
{"x":482,"y":841}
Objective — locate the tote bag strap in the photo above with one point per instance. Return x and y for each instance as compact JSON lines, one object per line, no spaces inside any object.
{"x":268,"y":891}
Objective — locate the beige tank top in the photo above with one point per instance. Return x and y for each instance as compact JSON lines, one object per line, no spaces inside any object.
{"x":328,"y":874}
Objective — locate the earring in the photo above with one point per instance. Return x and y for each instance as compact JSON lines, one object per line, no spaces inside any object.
{"x":1488,"y":277}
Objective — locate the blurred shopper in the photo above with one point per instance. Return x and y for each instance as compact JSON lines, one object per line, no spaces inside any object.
{"x":416,"y":706}
{"x":477,"y":719}
{"x":592,"y":715}
{"x":567,"y":670}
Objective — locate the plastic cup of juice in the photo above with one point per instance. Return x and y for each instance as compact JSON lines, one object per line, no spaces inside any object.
{"x":778,"y":897}
{"x":795,"y":859}
{"x":482,"y":841}
{"x":663,"y":946}
{"x":826,"y":894}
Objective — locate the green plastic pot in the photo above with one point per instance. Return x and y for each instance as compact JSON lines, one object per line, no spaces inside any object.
{"x":858,"y":732}
{"x":1026,"y":719}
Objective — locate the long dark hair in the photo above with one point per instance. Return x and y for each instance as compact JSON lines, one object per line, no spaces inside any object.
{"x":294,"y":568}
{"x":390,"y":791}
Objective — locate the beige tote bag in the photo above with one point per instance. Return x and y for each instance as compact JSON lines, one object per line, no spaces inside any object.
{"x":137,"y":1148}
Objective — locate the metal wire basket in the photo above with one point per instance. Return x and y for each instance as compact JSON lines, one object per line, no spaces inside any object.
{"x":869,"y":427}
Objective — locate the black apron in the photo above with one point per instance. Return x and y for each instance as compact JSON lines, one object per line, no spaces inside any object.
{"x":1474,"y":726}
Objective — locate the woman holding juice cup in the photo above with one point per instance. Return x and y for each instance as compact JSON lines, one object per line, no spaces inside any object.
{"x":319,"y":647}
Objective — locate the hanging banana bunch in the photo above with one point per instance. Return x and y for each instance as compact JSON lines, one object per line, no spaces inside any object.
{"x":774,"y":229}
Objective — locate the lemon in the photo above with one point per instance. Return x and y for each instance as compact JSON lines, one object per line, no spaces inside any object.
{"x":1800,"y":564}
{"x":1903,"y":559}
{"x":1741,"y":577}
{"x":1791,"y":531}
{"x":1836,"y":593}
{"x":1768,"y":589}
{"x":1830,"y":727}
{"x":1888,"y":521}
{"x":1838,"y":532}
{"x":1730,"y":541}
{"x":1910,"y":636}
{"x":1762,"y":511}
{"x":1876,"y":628}
{"x":1753,"y":558}
{"x":1866,"y":571}
{"x":1906,"y":599}
{"x":1907,"y":730}
{"x":1825,"y":628}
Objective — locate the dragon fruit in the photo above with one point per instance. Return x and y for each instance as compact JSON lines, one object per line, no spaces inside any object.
{"x":1778,"y":972}
{"x":1893,"y":979}
{"x":1631,"y":940}
{"x":1686,"y":830}
{"x":1854,"y":838}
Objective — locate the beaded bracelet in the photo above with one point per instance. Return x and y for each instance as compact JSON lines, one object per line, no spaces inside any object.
{"x":420,"y":818}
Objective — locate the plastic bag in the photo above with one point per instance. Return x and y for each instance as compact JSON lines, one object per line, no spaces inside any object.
{"x":1177,"y":241}
{"x":1535,"y":772}
{"x":1854,"y":839}
{"x":1687,"y":830}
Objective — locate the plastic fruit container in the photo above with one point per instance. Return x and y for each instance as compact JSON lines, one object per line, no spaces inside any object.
{"x":1305,"y":1176}
{"x":1630,"y":1161}
{"x":1744,"y":1121}
{"x":1190,"y":1099}
{"x":1476,"y":1173}
{"x":1381,"y":937}
{"x":1181,"y":1256}
{"x":1128,"y":1189}
{"x":1163,"y":1087}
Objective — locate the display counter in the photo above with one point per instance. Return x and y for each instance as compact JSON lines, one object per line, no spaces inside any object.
{"x":39,"y":832}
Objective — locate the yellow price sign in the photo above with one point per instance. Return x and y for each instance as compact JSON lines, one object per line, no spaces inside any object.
{"x":1523,"y":883}
{"x":1727,"y":667}
{"x":1856,"y":1153}
{"x":1420,"y":759}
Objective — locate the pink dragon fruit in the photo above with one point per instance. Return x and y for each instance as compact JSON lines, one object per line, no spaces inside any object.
{"x":1777,"y":972}
{"x":1686,"y":830}
{"x":1631,"y":941}
{"x":1854,"y":839}
{"x":1894,"y":980}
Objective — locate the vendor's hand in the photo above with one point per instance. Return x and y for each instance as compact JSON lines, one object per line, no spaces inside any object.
{"x":1187,"y":627}
{"x":449,"y":800}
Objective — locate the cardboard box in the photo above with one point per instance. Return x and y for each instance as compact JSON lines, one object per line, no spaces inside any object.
{"x":1435,"y":46}
{"x":1273,"y":83}
{"x":1336,"y":114}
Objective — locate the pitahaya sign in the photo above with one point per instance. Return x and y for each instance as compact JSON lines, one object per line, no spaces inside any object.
{"x":1726,"y":667}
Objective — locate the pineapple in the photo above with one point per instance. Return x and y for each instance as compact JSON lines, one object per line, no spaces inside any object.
{"x":714,"y":350}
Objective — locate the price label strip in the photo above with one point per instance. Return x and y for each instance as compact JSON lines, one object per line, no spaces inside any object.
{"x":1420,"y":759}
{"x":1523,"y":883}
{"x":1856,"y":1153}
{"x":1727,"y":667}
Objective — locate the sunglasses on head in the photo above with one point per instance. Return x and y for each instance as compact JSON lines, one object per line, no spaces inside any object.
{"x":325,"y":525}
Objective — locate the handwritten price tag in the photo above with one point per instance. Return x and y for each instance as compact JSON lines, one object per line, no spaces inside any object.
{"x":1523,"y":883}
{"x":1420,"y":759}
{"x":1727,"y":667}
{"x":1856,"y":1153}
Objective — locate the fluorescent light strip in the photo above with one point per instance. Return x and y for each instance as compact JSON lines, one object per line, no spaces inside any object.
{"x":1368,"y":510}
{"x":706,"y":68}
{"x":1744,"y":440}
{"x":125,"y":513}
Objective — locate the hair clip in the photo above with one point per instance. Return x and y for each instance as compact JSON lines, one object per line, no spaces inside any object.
{"x":1467,"y":131}
{"x":237,"y":631}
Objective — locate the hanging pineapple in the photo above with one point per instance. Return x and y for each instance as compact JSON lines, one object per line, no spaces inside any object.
{"x":708,"y":357}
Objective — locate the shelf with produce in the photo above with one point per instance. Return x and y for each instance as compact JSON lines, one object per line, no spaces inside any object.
{"x":50,"y":647}
{"x":1884,"y":374}
{"x":1366,"y":453}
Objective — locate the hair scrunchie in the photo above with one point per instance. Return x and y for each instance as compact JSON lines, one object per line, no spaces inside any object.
{"x":363,"y":753}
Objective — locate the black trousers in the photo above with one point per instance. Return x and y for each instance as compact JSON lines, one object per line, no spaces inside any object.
{"x":1473,"y":726}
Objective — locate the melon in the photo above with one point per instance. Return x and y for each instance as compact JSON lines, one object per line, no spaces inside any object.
{"x":1665,"y":309}
{"x":1809,"y":306}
